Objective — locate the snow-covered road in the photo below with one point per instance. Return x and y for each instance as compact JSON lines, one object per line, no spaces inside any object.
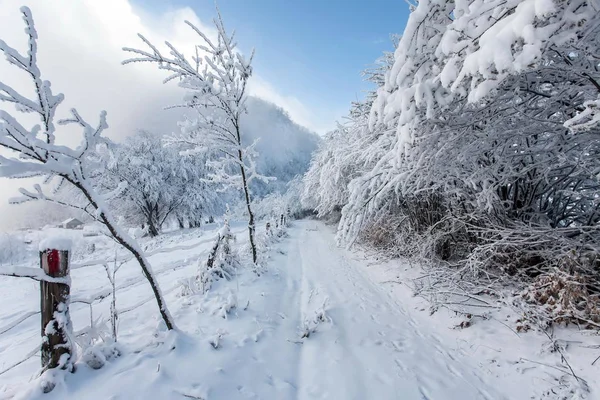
{"x":318,"y":324}
{"x":371,"y":348}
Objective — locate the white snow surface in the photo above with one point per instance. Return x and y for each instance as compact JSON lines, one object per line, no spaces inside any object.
{"x":319,"y":323}
{"x":58,"y":242}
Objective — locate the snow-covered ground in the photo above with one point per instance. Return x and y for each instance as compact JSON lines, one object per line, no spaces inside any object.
{"x":319,"y":322}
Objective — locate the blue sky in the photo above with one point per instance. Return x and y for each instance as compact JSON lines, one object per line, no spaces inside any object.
{"x":311,"y":49}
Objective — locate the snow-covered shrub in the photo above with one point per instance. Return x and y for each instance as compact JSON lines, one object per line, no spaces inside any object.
{"x":97,"y":343}
{"x":225,"y":304}
{"x":312,"y":322}
{"x":383,"y":236}
{"x":270,"y":207}
{"x":279,"y":208}
{"x":295,"y":209}
{"x":266,"y":238}
{"x":190,"y":285}
{"x":97,"y":355}
{"x":222,"y":263}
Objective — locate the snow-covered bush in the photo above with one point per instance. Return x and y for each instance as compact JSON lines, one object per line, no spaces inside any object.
{"x":222,"y":263}
{"x":270,"y":207}
{"x":96,"y":344}
{"x":311,"y":323}
{"x":99,"y":354}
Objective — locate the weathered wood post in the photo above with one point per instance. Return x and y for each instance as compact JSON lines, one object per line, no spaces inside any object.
{"x":56,"y":322}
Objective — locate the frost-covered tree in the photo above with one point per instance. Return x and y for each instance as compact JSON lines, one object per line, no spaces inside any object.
{"x":160,"y":184}
{"x":480,"y":145}
{"x":216,"y":81}
{"x":153,"y":181}
{"x":453,"y":57}
{"x":326,"y":181}
{"x":32,"y":152}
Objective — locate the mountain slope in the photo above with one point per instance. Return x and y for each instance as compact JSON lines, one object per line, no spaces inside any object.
{"x":285,"y":148}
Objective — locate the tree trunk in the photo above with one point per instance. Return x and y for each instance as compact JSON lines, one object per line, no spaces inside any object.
{"x":152,"y":230}
{"x":131,"y":245}
{"x":146,"y":270}
{"x":250,"y":214}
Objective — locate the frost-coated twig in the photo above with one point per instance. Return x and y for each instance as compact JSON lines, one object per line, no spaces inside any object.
{"x":111,"y":275}
{"x":563,"y":359}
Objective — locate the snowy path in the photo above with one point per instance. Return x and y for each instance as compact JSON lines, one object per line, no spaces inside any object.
{"x":361,"y":344}
{"x":372,"y":349}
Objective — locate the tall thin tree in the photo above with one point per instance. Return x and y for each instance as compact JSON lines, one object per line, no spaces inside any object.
{"x":216,"y":79}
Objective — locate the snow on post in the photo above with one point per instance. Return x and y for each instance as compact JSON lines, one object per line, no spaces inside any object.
{"x":54,"y":299}
{"x":57,"y":243}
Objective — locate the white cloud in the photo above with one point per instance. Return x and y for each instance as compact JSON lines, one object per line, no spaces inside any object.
{"x":80,"y":45}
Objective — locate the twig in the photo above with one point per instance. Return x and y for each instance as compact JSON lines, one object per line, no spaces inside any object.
{"x":515,"y":332}
{"x":190,"y":396}
{"x":563,"y":358}
{"x":541,"y":363}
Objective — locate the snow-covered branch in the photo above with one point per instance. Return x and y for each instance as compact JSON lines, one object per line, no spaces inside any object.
{"x":37,"y":274}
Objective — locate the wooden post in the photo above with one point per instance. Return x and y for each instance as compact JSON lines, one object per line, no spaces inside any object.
{"x":55,"y":299}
